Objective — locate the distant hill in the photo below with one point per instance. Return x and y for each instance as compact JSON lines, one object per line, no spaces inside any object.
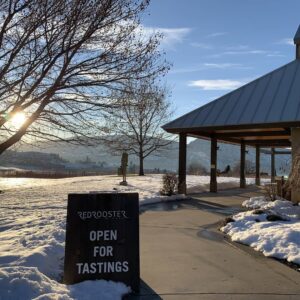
{"x":32,"y":160}
{"x":101,"y":155}
{"x":198,"y":151}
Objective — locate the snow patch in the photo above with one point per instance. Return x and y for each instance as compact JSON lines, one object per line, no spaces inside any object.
{"x":279,"y":239}
{"x":30,"y":283}
{"x":32,"y":227}
{"x":255,"y":202}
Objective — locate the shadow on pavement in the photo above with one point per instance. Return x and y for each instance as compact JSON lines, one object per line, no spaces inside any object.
{"x":208,"y":201}
{"x":191,"y":204}
{"x":146,"y":293}
{"x":230,"y":192}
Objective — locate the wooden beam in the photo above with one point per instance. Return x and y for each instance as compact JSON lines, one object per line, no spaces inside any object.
{"x":213,"y":166}
{"x":269,"y":143}
{"x":252,"y":129}
{"x":266,"y":138}
{"x":267,"y":152}
{"x":206,"y":135}
{"x":283,"y":152}
{"x":243,"y":164}
{"x":182,"y":164}
{"x":257,"y":164}
{"x":253,"y":133}
{"x":273,"y":170}
{"x":234,"y":127}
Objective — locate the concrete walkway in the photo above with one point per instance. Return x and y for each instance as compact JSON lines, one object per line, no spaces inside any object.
{"x":184,"y":256}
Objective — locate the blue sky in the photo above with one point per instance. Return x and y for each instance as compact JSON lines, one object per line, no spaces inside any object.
{"x":217,"y":45}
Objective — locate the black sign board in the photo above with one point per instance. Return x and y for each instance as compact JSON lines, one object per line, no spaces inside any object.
{"x":102,"y":238}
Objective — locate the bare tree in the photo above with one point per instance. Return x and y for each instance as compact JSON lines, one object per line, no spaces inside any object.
{"x":60,"y":61}
{"x":136,"y":126}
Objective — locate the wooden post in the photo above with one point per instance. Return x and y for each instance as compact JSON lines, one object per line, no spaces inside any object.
{"x":273,"y":171}
{"x":257,"y":177}
{"x":213,"y":166}
{"x":182,"y":164}
{"x":243,"y":163}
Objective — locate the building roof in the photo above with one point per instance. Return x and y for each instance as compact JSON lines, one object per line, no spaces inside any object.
{"x":261,"y":112}
{"x":271,"y":101}
{"x":297,"y":36}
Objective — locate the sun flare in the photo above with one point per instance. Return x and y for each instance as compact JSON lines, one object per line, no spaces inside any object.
{"x":18,"y":119}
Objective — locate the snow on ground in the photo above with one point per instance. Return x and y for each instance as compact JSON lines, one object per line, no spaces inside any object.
{"x":279,"y":239}
{"x":32,"y":232}
{"x":197,"y":184}
{"x":29,"y":283}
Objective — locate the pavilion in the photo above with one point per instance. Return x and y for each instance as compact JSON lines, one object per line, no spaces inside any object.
{"x":263,"y":113}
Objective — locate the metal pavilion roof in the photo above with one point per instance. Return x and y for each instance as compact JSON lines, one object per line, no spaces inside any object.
{"x":297,"y":36}
{"x":261,"y":112}
{"x":273,"y":99}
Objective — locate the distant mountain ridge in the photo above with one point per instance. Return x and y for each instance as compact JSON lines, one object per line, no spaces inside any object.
{"x":198,"y":151}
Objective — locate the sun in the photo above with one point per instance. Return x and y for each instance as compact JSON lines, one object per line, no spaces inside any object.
{"x":18,"y":119}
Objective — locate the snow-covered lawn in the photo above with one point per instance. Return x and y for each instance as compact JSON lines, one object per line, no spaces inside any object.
{"x":280,"y":239}
{"x":32,"y":232}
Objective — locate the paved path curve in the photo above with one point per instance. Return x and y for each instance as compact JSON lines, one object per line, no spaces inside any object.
{"x":183,"y":256}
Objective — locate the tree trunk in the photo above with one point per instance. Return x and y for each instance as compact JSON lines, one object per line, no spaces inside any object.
{"x":292,"y":186}
{"x":141,"y":173}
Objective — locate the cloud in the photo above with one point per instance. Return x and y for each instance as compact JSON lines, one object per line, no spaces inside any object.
{"x":186,"y":70}
{"x":275,"y":55}
{"x":246,"y":52}
{"x":216,"y":34}
{"x":205,"y":66}
{"x":171,"y":36}
{"x":286,"y":41}
{"x":201,"y":45}
{"x":216,"y":84}
{"x":222,"y":65}
{"x":237,"y":48}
